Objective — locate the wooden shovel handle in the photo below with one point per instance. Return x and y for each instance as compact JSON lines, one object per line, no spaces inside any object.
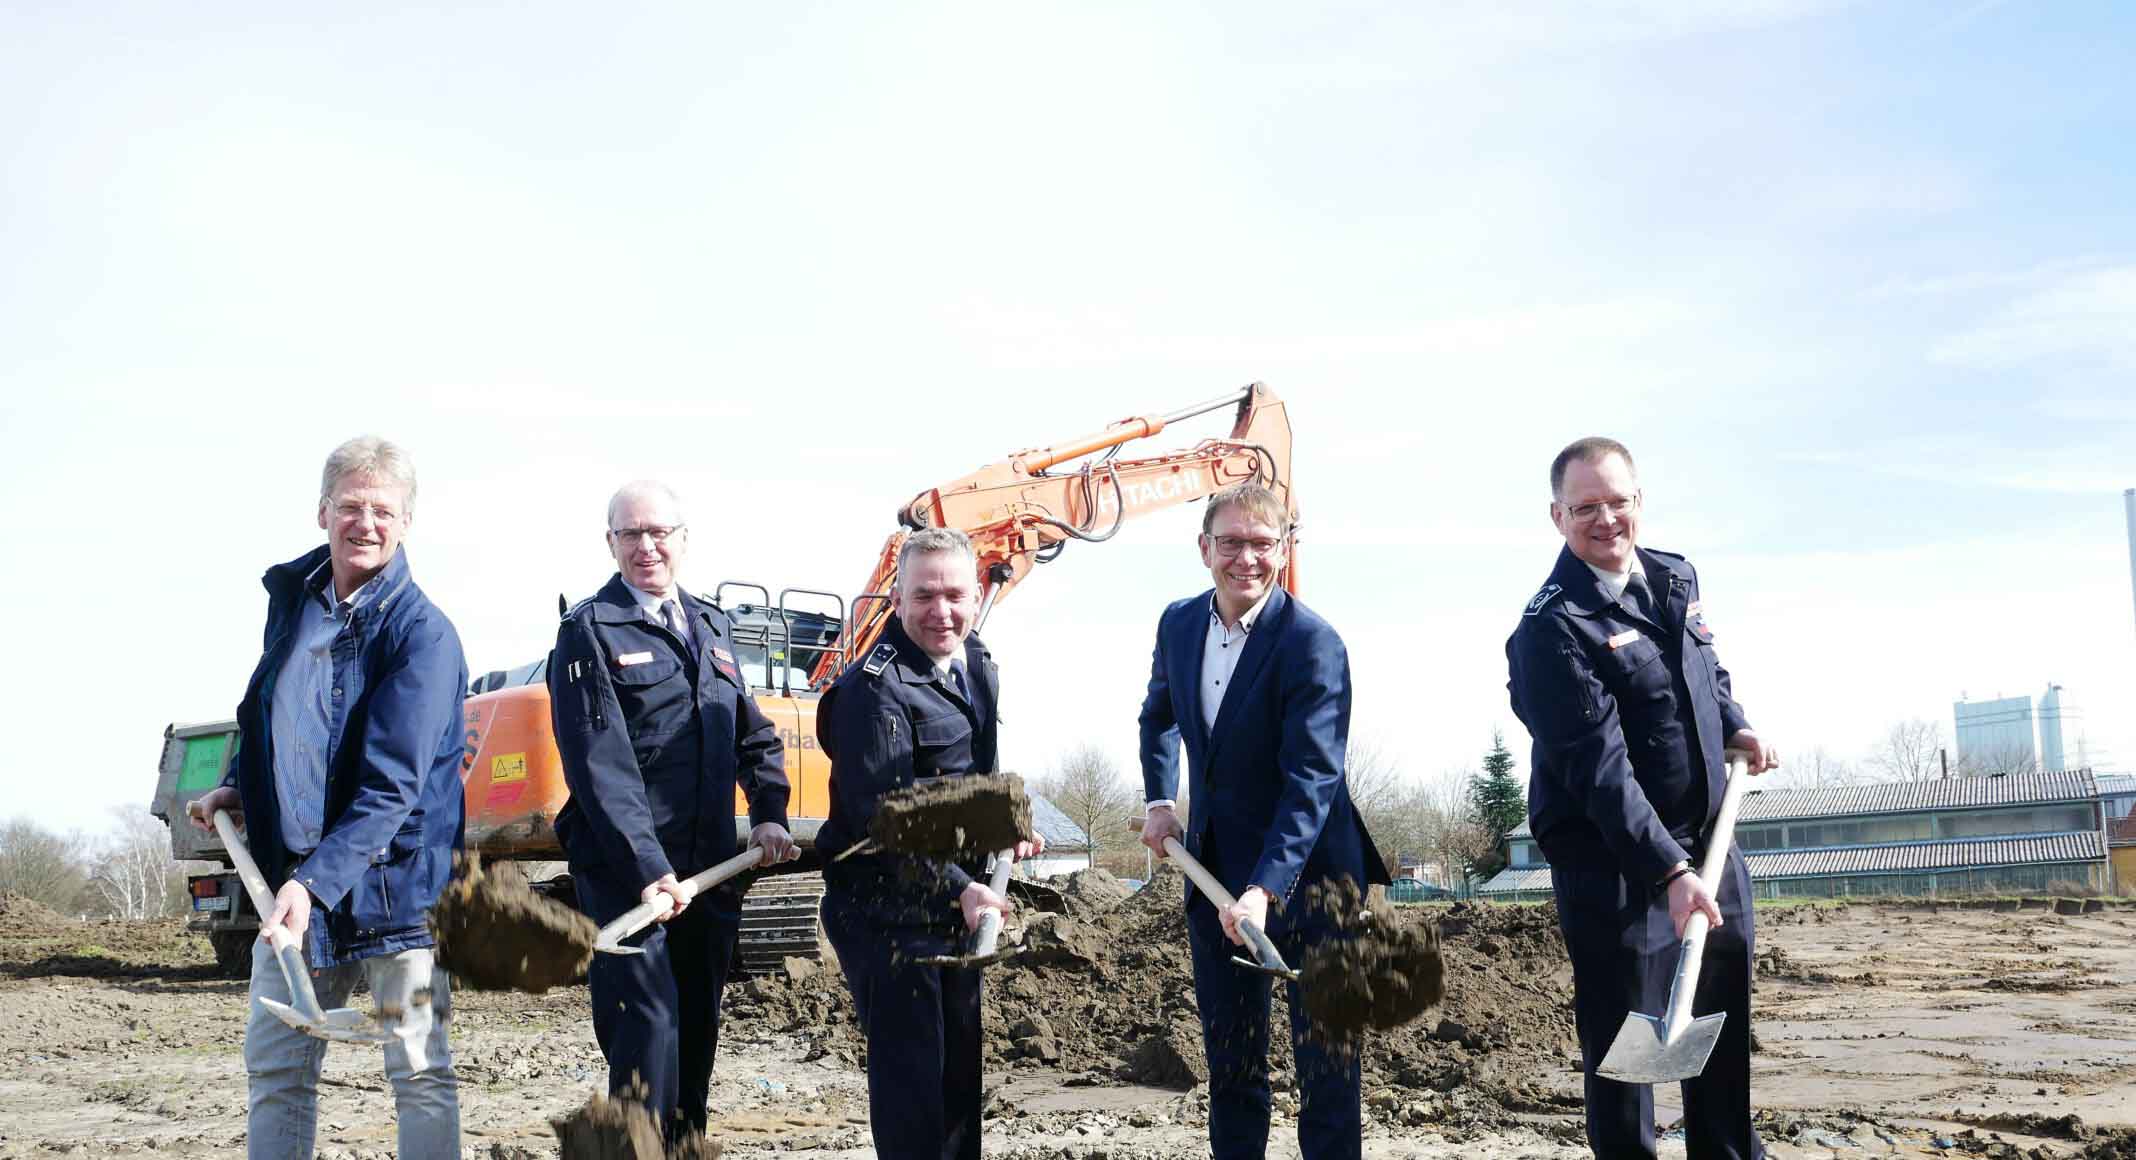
{"x":639,"y":917}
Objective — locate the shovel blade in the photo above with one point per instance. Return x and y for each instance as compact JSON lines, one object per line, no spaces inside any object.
{"x":1643,"y":1052}
{"x":1284,"y":973}
{"x":342,"y":1024}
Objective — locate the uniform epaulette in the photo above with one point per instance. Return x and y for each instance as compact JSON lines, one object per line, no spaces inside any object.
{"x":879,"y":659}
{"x":1659,"y":552}
{"x":574,"y":609}
{"x":1543,"y":598}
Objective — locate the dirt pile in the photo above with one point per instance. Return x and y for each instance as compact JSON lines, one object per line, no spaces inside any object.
{"x":1381,"y":973}
{"x":946,"y":816}
{"x":495,"y":934}
{"x":1111,"y":996}
{"x":36,"y":941}
{"x":1086,"y":893}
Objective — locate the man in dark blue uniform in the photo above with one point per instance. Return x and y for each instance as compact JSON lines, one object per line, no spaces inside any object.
{"x":1614,"y":674}
{"x":1258,"y":688}
{"x":657,"y":728}
{"x":920,"y":704}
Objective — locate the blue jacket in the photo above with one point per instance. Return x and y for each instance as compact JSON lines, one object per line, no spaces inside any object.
{"x":1267,"y":801}
{"x":655,"y":735}
{"x":1628,"y":716}
{"x":394,"y":809}
{"x":889,"y":720}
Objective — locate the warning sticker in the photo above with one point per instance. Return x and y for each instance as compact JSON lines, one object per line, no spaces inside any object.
{"x":508,"y":767}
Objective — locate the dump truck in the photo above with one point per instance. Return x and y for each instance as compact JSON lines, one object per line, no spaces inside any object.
{"x":791,"y":644}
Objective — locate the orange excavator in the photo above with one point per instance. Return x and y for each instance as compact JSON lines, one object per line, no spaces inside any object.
{"x":1019,"y":512}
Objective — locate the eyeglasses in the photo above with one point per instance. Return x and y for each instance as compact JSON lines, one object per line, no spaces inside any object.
{"x":632,"y":537}
{"x":1619,"y":506}
{"x":1229,"y":546}
{"x":350,"y":511}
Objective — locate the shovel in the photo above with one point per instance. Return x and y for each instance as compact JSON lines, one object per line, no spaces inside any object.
{"x":637,"y":918}
{"x":989,"y":932}
{"x":342,"y":1024}
{"x":1675,"y":1047}
{"x":1267,"y":959}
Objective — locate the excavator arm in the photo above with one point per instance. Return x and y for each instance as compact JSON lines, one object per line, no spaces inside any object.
{"x":1019,"y":513}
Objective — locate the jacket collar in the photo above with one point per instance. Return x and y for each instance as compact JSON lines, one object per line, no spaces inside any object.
{"x":915,"y":667}
{"x":286,"y":581}
{"x":616,"y":603}
{"x":1582,"y":591}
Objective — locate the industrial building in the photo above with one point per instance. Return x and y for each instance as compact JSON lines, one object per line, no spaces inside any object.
{"x":1997,"y":735}
{"x":2026,"y":833}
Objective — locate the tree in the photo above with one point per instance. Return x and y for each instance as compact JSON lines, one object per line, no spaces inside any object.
{"x":1088,"y":787}
{"x":41,"y":865}
{"x":135,"y":875}
{"x":1815,"y":768}
{"x":1455,"y":841}
{"x":1497,"y":800}
{"x":1998,"y":760}
{"x":1385,"y":801}
{"x":1912,"y":750}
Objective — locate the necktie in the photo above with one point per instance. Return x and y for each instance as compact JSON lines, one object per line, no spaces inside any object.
{"x":672,"y":613}
{"x":1642,"y":598}
{"x":957,"y":681}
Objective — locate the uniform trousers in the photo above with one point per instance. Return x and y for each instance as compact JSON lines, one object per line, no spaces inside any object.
{"x":923,"y":1031}
{"x":656,"y":1015}
{"x":1624,"y":952}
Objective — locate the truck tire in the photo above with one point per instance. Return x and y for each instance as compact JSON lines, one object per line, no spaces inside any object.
{"x":233,"y":952}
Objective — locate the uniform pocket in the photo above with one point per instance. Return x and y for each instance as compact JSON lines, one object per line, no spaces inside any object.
{"x":942,"y":732}
{"x":644,"y":673}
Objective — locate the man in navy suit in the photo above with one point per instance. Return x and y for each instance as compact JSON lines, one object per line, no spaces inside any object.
{"x":1614,"y":674}
{"x":1258,"y":687}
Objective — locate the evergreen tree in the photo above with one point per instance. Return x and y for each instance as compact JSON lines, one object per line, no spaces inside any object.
{"x":1497,"y":802}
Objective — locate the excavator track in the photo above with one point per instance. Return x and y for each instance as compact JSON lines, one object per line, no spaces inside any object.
{"x":779,"y":921}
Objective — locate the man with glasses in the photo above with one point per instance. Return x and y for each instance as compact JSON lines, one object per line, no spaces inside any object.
{"x":657,"y":728}
{"x":348,"y":786}
{"x":1258,"y":688}
{"x":1613,"y":672}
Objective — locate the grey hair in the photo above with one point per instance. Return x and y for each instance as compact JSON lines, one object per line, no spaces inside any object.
{"x":368,"y":455}
{"x":643,"y":487}
{"x":930,"y":540}
{"x":1593,"y":449}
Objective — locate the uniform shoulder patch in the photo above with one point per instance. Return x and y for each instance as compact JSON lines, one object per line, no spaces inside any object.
{"x":1543,"y":598}
{"x":879,"y":659}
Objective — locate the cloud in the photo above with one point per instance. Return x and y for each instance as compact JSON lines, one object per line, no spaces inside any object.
{"x":2087,"y":315}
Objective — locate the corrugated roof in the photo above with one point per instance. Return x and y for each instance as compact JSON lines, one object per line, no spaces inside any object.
{"x":2116,"y":784}
{"x":1911,"y":857}
{"x":1054,"y":826}
{"x":1900,"y":797}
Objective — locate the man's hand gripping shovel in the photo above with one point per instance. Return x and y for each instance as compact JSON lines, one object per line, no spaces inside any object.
{"x":986,"y":939}
{"x":342,"y":1024}
{"x":1675,"y":1045}
{"x":637,"y":918}
{"x":1267,"y":959}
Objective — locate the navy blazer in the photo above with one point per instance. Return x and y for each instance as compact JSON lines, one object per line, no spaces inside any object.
{"x":1267,"y":801}
{"x":655,"y":735}
{"x":1628,"y":715}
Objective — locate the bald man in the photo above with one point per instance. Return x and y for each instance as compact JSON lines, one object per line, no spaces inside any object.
{"x":657,"y":728}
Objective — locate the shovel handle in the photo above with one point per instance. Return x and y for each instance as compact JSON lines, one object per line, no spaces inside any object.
{"x":1693,"y":955}
{"x":1264,"y":948}
{"x":639,"y":917}
{"x":295,"y":971}
{"x":989,"y":932}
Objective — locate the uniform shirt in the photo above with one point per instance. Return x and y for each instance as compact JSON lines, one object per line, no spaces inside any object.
{"x":1614,"y":583}
{"x":1221,"y":649}
{"x":298,"y":715}
{"x":654,"y":607}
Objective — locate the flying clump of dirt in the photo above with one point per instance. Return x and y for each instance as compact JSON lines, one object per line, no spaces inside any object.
{"x":495,"y":934}
{"x":1377,"y":971}
{"x":942,"y":817}
{"x":623,"y":1128}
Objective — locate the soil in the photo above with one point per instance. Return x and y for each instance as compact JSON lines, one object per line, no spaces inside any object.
{"x":1377,"y":972}
{"x":116,"y":1040}
{"x":495,"y":934}
{"x":944,"y":817}
{"x":623,"y":1129}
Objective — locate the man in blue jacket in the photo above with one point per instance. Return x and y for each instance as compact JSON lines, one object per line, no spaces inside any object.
{"x":657,"y":727}
{"x":1614,"y":674}
{"x":349,"y":785}
{"x":1258,"y":688}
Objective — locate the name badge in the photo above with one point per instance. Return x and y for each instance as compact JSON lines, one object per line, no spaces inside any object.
{"x":1623,"y":638}
{"x":719,"y":653}
{"x":625,"y":660}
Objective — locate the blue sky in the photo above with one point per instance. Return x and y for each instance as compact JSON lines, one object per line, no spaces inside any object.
{"x":1856,"y":282}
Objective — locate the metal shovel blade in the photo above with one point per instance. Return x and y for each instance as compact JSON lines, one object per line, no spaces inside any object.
{"x":1643,"y":1052}
{"x":342,"y":1024}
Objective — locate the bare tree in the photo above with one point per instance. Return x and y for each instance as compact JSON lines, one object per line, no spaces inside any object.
{"x":1816,"y":768}
{"x":1088,"y":787}
{"x":1455,"y":840}
{"x":1998,"y":760}
{"x":1912,"y":750}
{"x":41,"y":865}
{"x":1385,"y":800}
{"x":133,"y":871}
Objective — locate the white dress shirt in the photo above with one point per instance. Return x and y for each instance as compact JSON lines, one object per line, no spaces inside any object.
{"x":1221,"y":647}
{"x":1614,"y":583}
{"x":651,"y":604}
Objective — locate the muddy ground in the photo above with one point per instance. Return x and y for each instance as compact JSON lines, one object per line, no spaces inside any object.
{"x":1882,"y":1030}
